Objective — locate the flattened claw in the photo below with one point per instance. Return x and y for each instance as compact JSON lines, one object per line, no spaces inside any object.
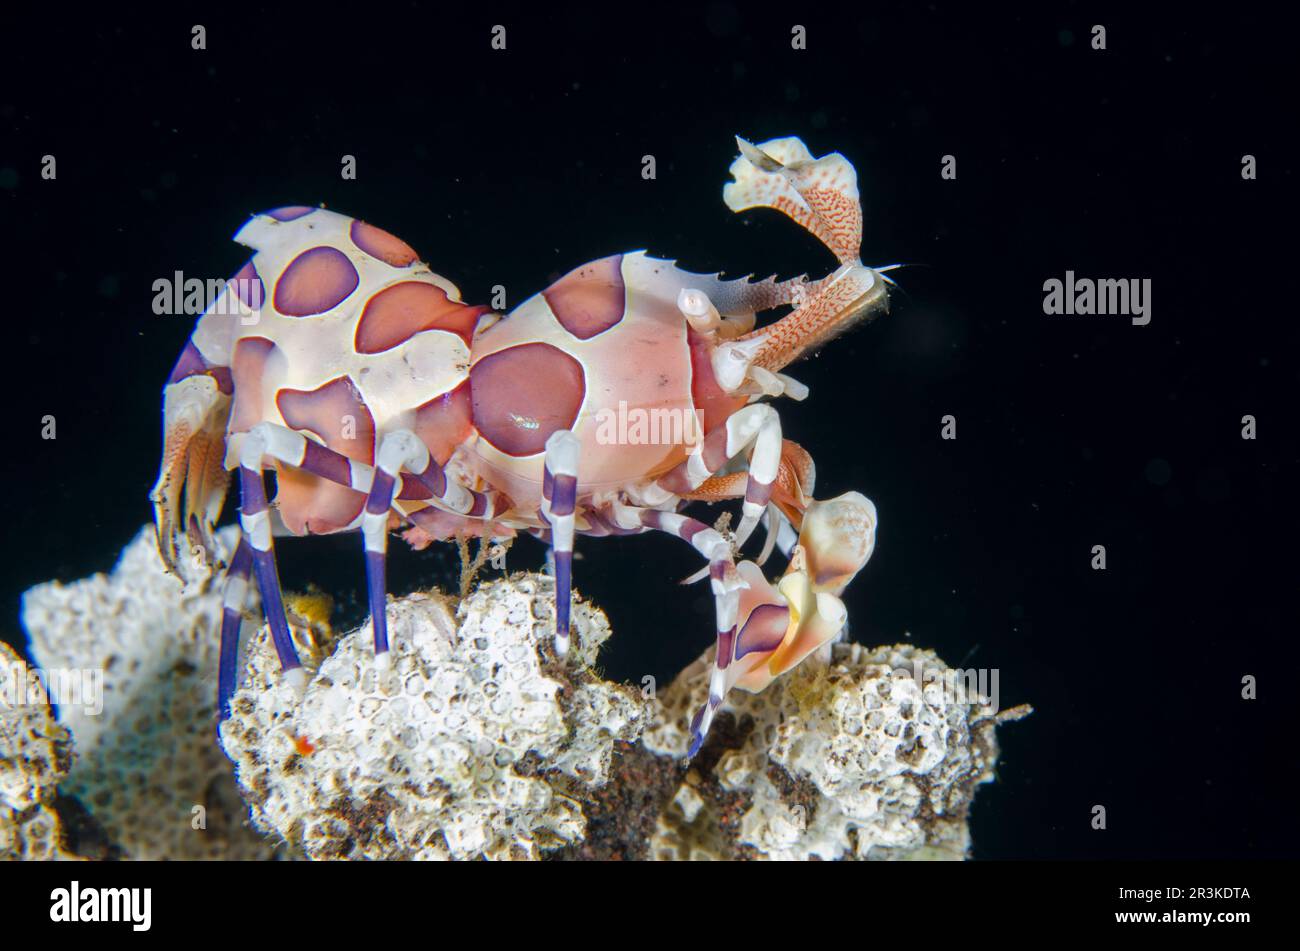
{"x":821,"y":194}
{"x":192,"y":480}
{"x":778,"y":627}
{"x":838,"y":537}
{"x":757,"y":157}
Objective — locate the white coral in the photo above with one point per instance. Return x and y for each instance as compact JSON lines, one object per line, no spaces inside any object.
{"x":34,"y":756}
{"x":147,"y":765}
{"x":472,"y":741}
{"x":858,"y":758}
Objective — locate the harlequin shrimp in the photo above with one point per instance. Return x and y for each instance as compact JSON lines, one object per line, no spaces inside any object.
{"x":382,"y":401}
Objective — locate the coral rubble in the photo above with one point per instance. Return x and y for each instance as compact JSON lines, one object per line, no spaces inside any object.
{"x":35,"y":753}
{"x":146,"y":765}
{"x":858,"y":758}
{"x":469,"y":742}
{"x":469,"y":739}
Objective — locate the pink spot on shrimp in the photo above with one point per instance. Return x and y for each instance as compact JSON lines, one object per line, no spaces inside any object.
{"x":397,"y":313}
{"x":591,"y":299}
{"x":337,"y":415}
{"x":290,"y":212}
{"x":444,"y":422}
{"x":522,"y":394}
{"x":247,"y":368}
{"x":315,"y":281}
{"x":248,"y":287}
{"x":764,"y":629}
{"x":380,"y":244}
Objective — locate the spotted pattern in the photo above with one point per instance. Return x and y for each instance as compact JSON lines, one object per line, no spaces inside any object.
{"x":190,"y":363}
{"x":380,"y":244}
{"x":248,"y":367}
{"x":290,"y":212}
{"x":315,"y":281}
{"x":764,"y":630}
{"x":445,"y":422}
{"x":715,"y":404}
{"x":337,"y":415}
{"x":523,"y":394}
{"x":399,"y":312}
{"x":248,"y":287}
{"x":841,"y":232}
{"x":591,"y":299}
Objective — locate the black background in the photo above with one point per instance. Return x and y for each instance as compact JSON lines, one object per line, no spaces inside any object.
{"x":513,"y":167}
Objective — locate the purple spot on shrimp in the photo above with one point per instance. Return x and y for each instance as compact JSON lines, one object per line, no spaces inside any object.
{"x":591,"y":299}
{"x":524,"y":393}
{"x":248,"y":287}
{"x":189,"y":363}
{"x":380,"y":244}
{"x":764,"y":630}
{"x":290,"y":212}
{"x":315,"y":281}
{"x":192,"y":363}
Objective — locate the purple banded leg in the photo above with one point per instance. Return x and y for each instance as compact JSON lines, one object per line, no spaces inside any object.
{"x":448,"y":493}
{"x":255,"y":520}
{"x":398,"y":450}
{"x":401,"y":450}
{"x":559,"y":502}
{"x":755,"y":429}
{"x":405,"y":450}
{"x":292,"y":448}
{"x":726,"y":583}
{"x":764,"y":464}
{"x":233,"y":598}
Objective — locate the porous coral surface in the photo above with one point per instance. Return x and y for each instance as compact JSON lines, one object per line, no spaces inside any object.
{"x":470,"y":739}
{"x":855,"y":758}
{"x":147,"y":764}
{"x":35,"y":753}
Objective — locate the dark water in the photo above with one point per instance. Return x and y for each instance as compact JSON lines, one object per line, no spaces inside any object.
{"x":513,"y":167}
